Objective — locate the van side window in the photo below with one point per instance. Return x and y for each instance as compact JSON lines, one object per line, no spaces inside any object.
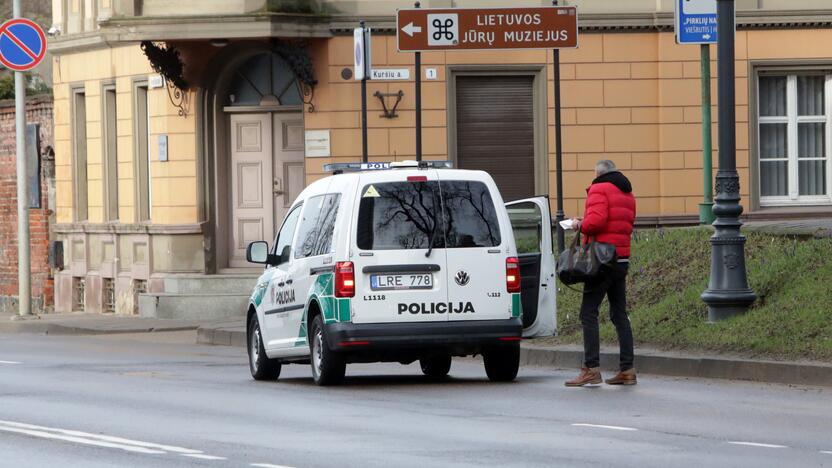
{"x":317,"y":226}
{"x":284,"y":237}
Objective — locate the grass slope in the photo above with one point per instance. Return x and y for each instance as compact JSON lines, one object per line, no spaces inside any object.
{"x":792,"y":317}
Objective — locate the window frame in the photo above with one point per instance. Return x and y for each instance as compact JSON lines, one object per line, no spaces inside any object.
{"x":143,"y":201}
{"x":109,"y":153}
{"x":792,"y":121}
{"x":80,"y":142}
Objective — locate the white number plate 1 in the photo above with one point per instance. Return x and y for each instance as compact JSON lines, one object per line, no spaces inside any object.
{"x":407,"y":281}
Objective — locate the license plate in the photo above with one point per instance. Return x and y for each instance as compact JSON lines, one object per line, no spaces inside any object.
{"x":405,"y":281}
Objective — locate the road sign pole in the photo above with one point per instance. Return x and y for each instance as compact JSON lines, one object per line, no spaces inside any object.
{"x":728,"y":293}
{"x":418,"y":70}
{"x":706,"y":214}
{"x":559,"y":215}
{"x":364,"y":155}
{"x":23,"y":266}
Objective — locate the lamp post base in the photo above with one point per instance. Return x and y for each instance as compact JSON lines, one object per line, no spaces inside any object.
{"x":724,"y":304}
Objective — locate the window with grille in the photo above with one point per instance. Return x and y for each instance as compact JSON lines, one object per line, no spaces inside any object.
{"x":109,"y":295}
{"x":139,"y":287}
{"x":795,"y":124}
{"x":78,"y":287}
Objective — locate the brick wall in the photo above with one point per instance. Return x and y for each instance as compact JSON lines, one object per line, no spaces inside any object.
{"x":38,"y":110}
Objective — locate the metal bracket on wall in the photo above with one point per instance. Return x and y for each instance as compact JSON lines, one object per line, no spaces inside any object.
{"x":389,"y":114}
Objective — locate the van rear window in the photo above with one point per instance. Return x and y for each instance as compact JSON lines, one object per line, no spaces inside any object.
{"x":414,"y":215}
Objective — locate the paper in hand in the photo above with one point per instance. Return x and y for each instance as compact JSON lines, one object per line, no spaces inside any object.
{"x":566,"y":224}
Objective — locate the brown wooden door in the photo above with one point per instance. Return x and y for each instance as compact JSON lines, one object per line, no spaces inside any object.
{"x":495,"y":130}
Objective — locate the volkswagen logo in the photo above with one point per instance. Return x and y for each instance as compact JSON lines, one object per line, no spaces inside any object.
{"x":462,"y":278}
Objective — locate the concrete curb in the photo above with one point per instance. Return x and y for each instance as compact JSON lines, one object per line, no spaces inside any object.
{"x":671,"y":364}
{"x":94,"y":326}
{"x":647,"y":361}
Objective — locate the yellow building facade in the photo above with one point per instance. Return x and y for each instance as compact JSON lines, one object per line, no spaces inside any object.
{"x":155,"y":181}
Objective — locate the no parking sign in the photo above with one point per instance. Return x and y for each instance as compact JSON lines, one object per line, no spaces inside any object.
{"x":22,"y":44}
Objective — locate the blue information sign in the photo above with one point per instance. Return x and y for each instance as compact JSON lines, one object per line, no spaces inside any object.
{"x":696,"y":21}
{"x":22,"y":44}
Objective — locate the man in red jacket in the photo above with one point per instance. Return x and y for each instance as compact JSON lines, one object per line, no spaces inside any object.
{"x":608,"y":217}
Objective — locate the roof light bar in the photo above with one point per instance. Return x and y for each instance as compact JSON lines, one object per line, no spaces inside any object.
{"x":377,"y":166}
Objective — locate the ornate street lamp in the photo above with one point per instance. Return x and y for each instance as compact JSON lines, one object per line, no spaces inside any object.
{"x":728,"y":293}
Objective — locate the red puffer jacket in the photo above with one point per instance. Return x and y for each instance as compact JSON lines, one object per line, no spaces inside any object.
{"x":610,"y":212}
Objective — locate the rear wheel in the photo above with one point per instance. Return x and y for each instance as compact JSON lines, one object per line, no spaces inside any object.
{"x":328,"y":367}
{"x":262,"y":368}
{"x":502,"y":362}
{"x":436,"y":366}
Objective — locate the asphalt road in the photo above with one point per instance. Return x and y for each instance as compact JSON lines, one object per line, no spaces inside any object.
{"x":157,"y":400}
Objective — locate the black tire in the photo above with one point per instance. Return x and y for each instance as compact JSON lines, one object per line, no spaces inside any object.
{"x":436,"y":366}
{"x":262,"y":368}
{"x":328,"y":367}
{"x":502,"y":362}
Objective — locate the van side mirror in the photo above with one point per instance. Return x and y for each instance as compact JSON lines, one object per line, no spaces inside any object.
{"x":258,"y":252}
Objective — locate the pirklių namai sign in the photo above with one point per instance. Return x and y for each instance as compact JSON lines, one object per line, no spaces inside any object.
{"x":487,"y":28}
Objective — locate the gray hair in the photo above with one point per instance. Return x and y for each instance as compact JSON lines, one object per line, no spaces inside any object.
{"x":605,"y":166}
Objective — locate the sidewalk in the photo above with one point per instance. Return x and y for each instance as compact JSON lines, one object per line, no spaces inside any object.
{"x":668,"y":363}
{"x":91,"y":324}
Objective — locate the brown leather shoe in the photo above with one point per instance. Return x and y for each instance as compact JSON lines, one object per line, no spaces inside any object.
{"x":587,"y":376}
{"x":627,"y":377}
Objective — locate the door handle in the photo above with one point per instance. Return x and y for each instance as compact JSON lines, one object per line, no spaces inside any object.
{"x":288,"y":281}
{"x":277,"y":186}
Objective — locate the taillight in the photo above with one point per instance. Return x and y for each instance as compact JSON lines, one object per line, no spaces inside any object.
{"x":512,"y":275}
{"x":417,"y":178}
{"x":344,"y":279}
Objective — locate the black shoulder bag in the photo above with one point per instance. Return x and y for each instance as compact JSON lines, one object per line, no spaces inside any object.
{"x":583,"y":262}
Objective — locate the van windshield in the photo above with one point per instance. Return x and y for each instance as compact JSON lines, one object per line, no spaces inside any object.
{"x":414,"y":215}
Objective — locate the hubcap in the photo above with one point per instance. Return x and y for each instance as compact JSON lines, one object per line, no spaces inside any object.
{"x":317,"y":345}
{"x":255,"y":348}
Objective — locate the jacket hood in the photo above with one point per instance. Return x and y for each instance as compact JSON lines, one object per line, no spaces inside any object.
{"x":616,"y":178}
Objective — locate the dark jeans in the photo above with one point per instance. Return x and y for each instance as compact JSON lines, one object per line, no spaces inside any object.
{"x":613,"y":284}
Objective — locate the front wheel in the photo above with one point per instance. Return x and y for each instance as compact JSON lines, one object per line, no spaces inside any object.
{"x":262,"y":368}
{"x":502,"y":362}
{"x":328,"y":367}
{"x":436,"y":367}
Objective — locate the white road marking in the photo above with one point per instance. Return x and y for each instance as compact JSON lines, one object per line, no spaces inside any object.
{"x":755,"y":444}
{"x":156,"y":448}
{"x":80,"y":440}
{"x":601,"y":426}
{"x":202,"y":456}
{"x":10,"y":362}
{"x":269,"y":465}
{"x":826,"y":452}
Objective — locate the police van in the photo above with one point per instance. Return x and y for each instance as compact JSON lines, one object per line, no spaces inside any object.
{"x":402,"y":262}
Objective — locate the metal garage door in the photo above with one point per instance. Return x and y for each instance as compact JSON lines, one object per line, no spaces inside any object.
{"x":495,"y":130}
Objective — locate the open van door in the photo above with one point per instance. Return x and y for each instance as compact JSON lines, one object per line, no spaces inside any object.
{"x":531,"y":222}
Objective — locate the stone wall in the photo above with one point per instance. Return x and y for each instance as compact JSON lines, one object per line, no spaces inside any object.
{"x":38,"y":110}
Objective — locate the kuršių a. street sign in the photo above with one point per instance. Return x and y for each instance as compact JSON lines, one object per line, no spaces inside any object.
{"x":22,"y":44}
{"x":696,"y":21}
{"x":487,"y":28}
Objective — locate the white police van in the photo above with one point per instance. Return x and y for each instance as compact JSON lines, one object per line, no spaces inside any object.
{"x":414,"y":262}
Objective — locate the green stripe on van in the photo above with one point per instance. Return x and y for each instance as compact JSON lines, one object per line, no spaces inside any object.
{"x":344,"y":310}
{"x":516,"y":306}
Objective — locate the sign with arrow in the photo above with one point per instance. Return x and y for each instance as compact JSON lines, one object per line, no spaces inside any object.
{"x":696,"y":21}
{"x":486,"y":28}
